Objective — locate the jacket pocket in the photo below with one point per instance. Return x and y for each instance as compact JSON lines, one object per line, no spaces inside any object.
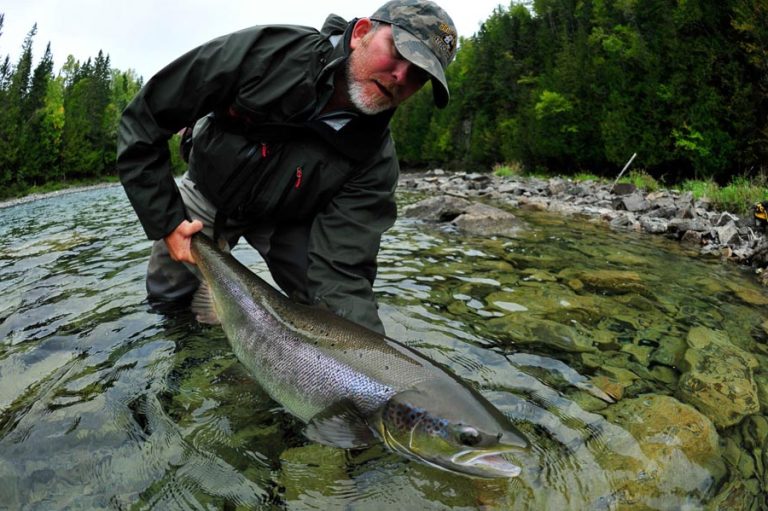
{"x":315,"y":176}
{"x":233,"y":172}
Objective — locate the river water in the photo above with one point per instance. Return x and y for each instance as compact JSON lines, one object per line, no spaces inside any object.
{"x":107,"y":404}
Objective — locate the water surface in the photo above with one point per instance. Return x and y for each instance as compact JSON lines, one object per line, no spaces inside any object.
{"x":107,"y":404}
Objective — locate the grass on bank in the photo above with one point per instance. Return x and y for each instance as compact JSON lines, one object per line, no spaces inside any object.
{"x":738,"y":196}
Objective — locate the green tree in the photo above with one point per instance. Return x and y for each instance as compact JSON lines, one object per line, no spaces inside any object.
{"x":38,"y":150}
{"x":14,"y":108}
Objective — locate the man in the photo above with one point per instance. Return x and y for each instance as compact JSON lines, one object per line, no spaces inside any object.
{"x":291,"y":149}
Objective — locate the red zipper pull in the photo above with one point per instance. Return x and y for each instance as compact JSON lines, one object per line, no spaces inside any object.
{"x":298,"y":177}
{"x":264,"y":149}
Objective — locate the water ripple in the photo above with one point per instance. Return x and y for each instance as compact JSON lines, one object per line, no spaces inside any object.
{"x":105,"y":404}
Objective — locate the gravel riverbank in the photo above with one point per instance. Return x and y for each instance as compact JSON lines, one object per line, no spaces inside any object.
{"x":668,"y":212}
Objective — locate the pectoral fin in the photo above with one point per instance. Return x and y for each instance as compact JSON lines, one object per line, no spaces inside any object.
{"x":202,"y":305}
{"x":341,"y":425}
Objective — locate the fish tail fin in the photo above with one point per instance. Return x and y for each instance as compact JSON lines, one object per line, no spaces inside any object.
{"x":202,"y":305}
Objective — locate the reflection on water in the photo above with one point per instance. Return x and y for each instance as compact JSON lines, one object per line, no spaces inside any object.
{"x":106,"y":404}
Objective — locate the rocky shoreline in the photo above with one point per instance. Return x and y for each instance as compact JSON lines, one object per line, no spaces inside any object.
{"x":676,"y":215}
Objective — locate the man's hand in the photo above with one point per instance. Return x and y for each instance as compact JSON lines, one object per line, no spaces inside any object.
{"x":180,"y":240}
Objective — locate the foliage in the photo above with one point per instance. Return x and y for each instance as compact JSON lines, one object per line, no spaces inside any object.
{"x":739,"y":195}
{"x":643,"y":180}
{"x":58,"y":128}
{"x":583,"y":84}
{"x":508,"y":169}
{"x":563,"y":87}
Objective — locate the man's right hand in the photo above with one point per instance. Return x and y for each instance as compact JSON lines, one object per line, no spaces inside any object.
{"x":180,"y":241}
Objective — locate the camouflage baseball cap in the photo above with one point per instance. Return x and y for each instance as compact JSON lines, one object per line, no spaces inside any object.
{"x":425,"y":35}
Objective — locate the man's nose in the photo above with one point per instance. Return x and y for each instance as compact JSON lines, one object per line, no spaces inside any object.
{"x":402,"y":71}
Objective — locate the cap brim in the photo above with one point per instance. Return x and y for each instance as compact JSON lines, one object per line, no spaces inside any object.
{"x":421,"y":55}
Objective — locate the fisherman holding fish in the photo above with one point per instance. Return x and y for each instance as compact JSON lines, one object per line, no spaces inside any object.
{"x":291,"y":149}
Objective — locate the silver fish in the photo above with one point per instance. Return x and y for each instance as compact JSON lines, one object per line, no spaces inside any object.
{"x":350,"y":385}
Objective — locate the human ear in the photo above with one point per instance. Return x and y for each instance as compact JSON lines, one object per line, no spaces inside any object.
{"x":360,"y":30}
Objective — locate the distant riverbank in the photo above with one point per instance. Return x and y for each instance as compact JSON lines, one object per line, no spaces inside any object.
{"x":7,"y":203}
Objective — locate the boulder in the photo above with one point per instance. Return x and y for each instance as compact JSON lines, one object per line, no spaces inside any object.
{"x":633,"y":203}
{"x":718,"y":378}
{"x":442,"y":208}
{"x":727,"y":233}
{"x":672,"y":451}
{"x":484,"y":220}
{"x":654,"y":225}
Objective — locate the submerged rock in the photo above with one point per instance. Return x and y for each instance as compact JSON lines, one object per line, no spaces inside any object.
{"x":610,"y":281}
{"x":678,"y":448}
{"x":718,"y":378}
{"x":473,"y":218}
{"x":521,"y":330}
{"x":750,"y":296}
{"x":442,"y":208}
{"x":484,"y":220}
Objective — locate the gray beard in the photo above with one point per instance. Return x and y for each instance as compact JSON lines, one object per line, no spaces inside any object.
{"x":357,"y":97}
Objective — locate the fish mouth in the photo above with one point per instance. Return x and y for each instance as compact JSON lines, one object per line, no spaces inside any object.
{"x":487,"y":464}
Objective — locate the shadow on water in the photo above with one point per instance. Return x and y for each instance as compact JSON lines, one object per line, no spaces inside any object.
{"x":107,"y":404}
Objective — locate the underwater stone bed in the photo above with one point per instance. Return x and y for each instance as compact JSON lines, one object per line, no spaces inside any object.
{"x":720,"y":385}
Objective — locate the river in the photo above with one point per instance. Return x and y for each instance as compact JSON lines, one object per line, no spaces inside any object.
{"x":108,"y":404}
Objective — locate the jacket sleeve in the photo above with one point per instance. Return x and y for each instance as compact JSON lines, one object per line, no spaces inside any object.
{"x":344,"y":242}
{"x":174,"y":98}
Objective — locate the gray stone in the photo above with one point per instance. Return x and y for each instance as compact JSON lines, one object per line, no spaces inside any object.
{"x":689,"y":224}
{"x":667,"y":212}
{"x":661,"y":201}
{"x":624,"y":188}
{"x":691,"y":238}
{"x":654,"y":225}
{"x":633,"y":203}
{"x":624,"y":221}
{"x":481,"y":219}
{"x":556,"y":186}
{"x":442,"y":208}
{"x":727,"y":233}
{"x":725,"y":219}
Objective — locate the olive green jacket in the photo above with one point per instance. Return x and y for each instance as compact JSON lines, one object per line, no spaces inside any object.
{"x":267,"y":75}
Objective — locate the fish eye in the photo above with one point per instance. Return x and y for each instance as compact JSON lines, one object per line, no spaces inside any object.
{"x":469,"y":436}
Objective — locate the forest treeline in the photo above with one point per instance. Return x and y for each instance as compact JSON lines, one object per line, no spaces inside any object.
{"x":571,"y":86}
{"x":562,"y":86}
{"x":58,"y":127}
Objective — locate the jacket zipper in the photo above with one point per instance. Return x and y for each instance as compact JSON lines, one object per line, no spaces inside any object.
{"x":299,"y":173}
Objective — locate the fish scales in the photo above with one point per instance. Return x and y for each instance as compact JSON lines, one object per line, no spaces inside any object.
{"x":301,"y":365}
{"x":352,"y":386}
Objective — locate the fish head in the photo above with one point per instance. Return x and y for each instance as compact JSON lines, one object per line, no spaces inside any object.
{"x":460,"y":432}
